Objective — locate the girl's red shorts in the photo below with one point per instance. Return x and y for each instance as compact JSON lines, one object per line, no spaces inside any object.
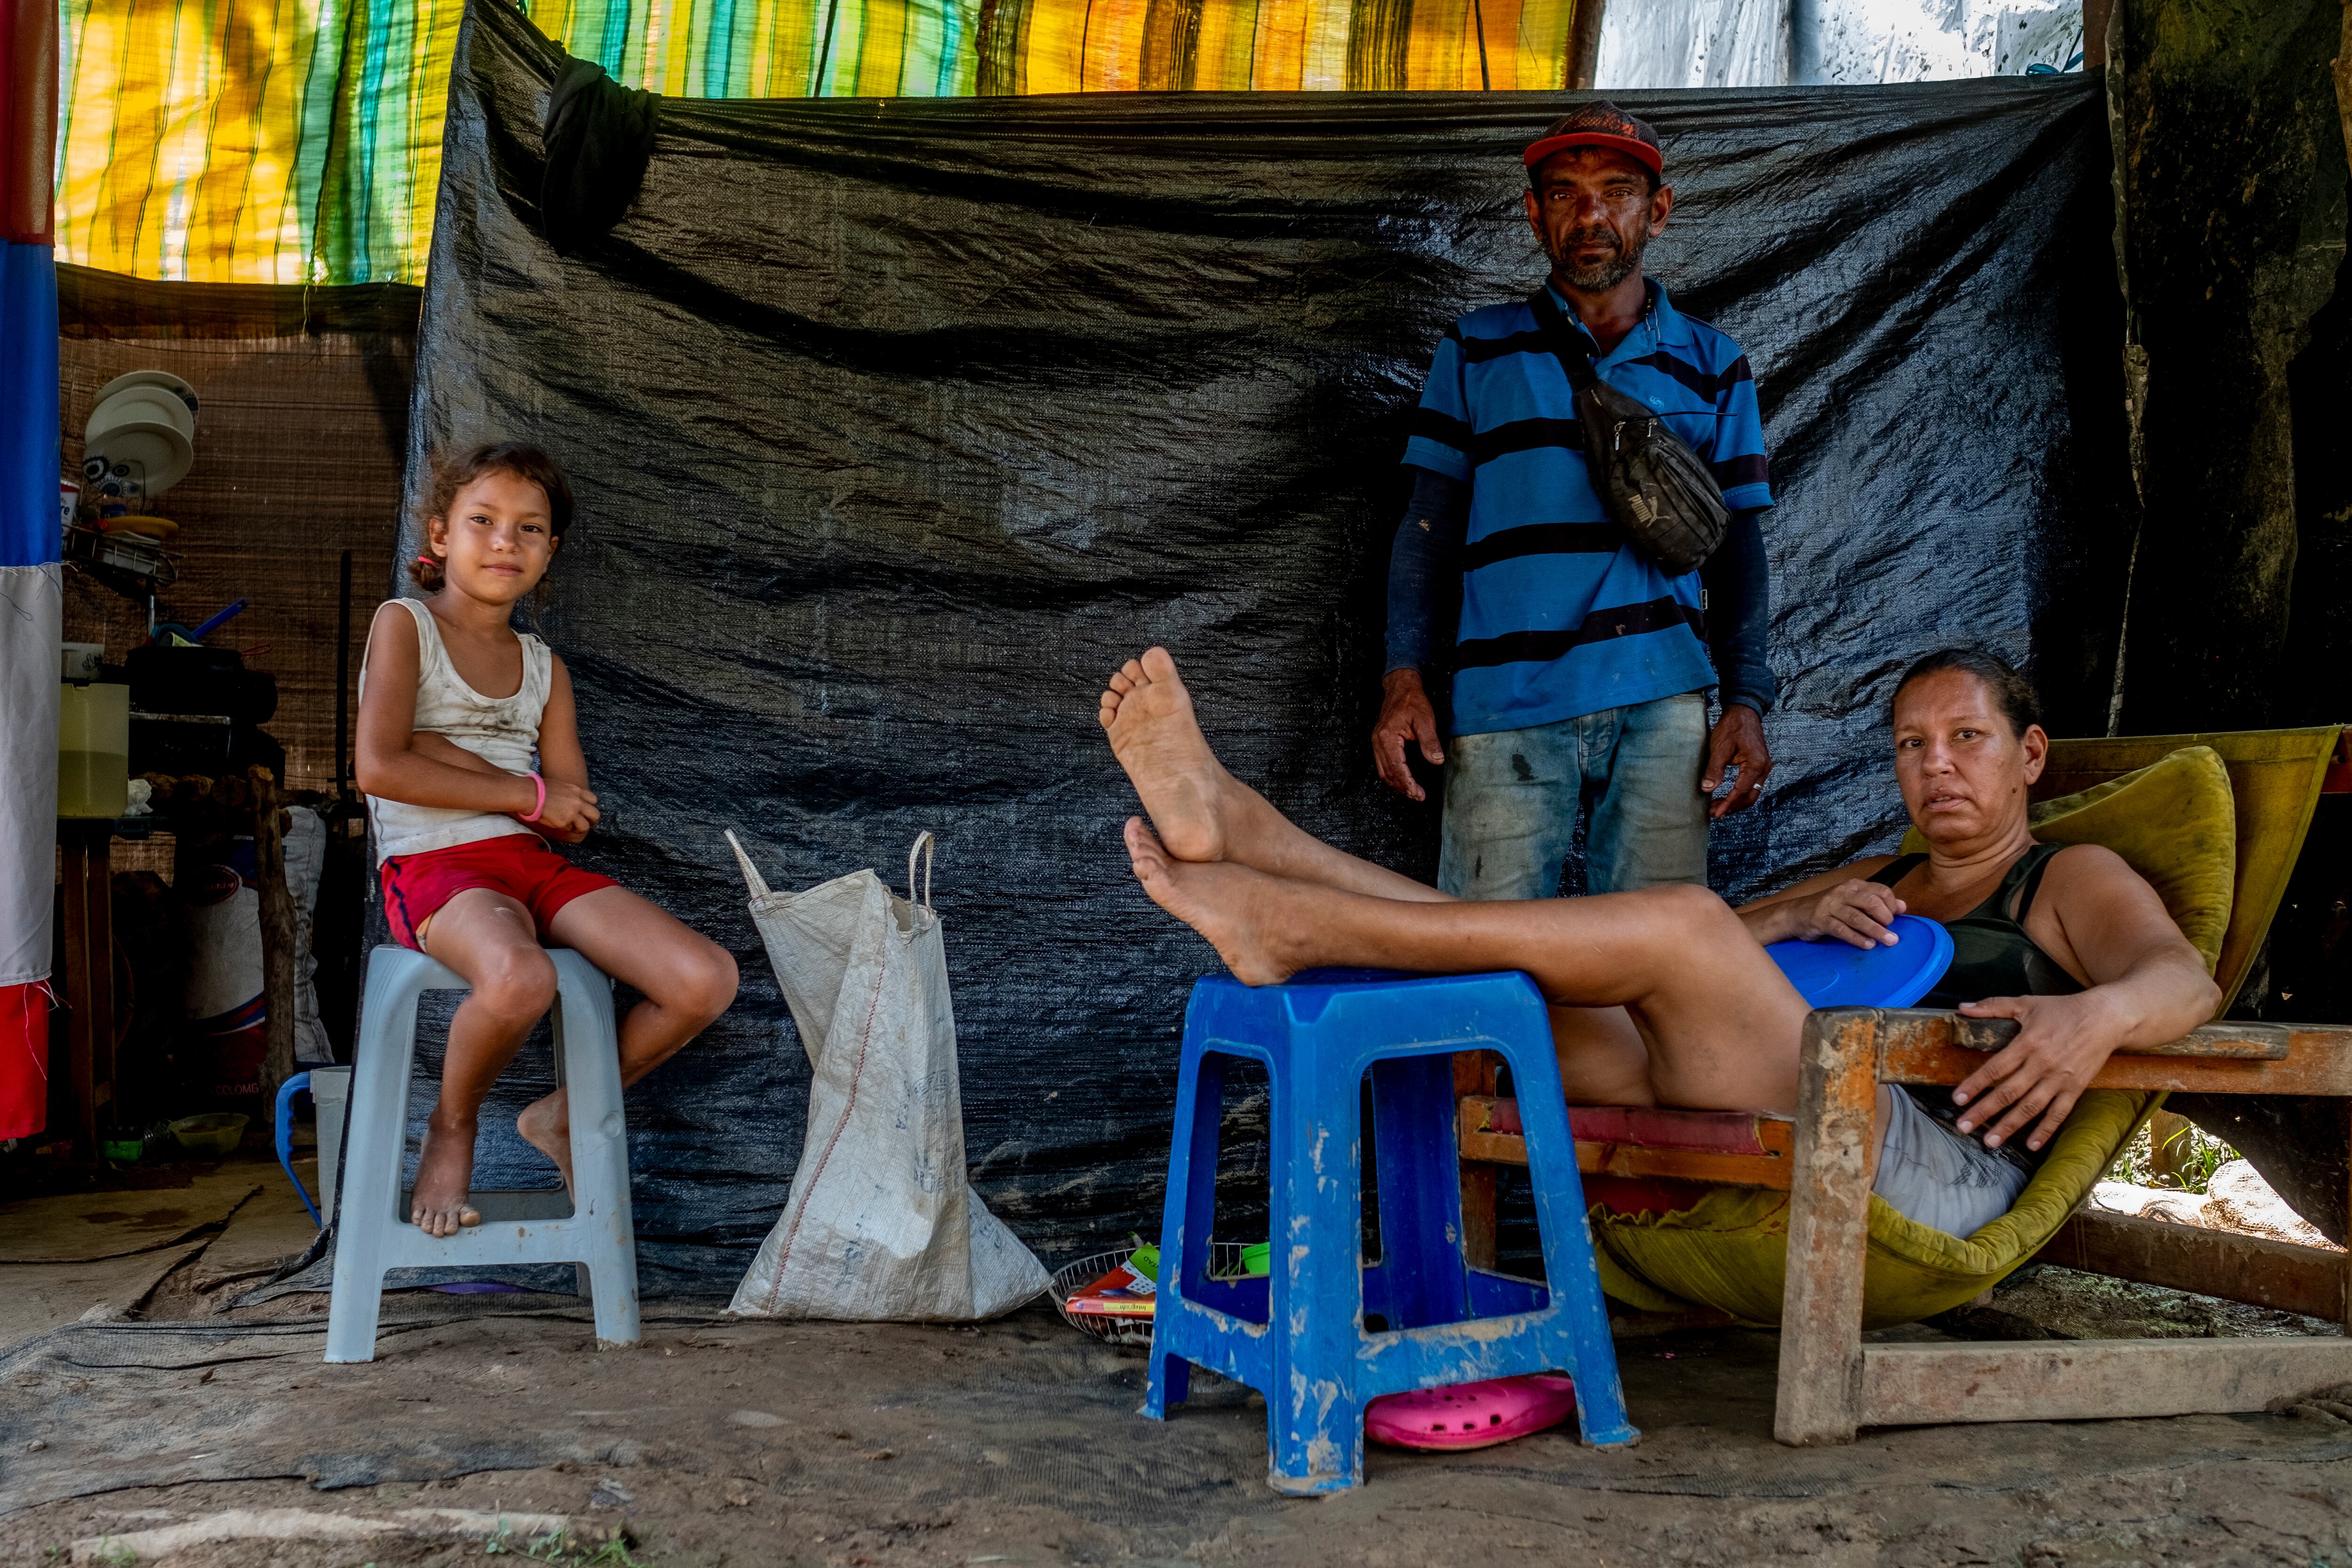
{"x":523,"y":866}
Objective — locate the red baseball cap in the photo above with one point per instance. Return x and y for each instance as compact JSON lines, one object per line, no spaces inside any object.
{"x":1599,"y":125}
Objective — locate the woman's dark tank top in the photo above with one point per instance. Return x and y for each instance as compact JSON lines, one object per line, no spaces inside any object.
{"x":1991,"y":956}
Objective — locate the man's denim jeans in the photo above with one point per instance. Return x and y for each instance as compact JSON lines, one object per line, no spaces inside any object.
{"x":1512,"y":799}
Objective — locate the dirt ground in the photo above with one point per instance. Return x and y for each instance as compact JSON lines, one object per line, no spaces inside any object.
{"x":725,"y":1442}
{"x":134,"y":1398}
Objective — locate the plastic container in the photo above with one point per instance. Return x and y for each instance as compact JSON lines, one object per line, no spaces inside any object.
{"x":1832,"y":974}
{"x":1227,"y":1260}
{"x":214,"y":1135}
{"x":93,"y":750}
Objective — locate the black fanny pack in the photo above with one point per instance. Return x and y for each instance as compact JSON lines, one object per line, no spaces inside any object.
{"x":1656,"y":488}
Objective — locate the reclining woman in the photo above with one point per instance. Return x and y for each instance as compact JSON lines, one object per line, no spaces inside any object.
{"x":1666,"y":996}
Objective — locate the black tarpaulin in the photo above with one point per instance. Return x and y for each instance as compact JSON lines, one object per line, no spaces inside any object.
{"x":896,"y":425}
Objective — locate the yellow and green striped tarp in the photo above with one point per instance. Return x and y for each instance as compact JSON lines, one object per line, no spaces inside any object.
{"x":300,"y":140}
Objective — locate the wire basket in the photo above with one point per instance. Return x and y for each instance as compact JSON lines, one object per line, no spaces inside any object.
{"x":1224,"y":1263}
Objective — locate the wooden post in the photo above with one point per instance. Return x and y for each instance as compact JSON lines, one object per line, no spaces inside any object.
{"x":1829,"y":1228}
{"x":2095,"y":13}
{"x":278,"y":956}
{"x":2168,"y":1138}
{"x":75,"y":964}
{"x":81,"y":1064}
{"x":1473,"y":1073}
{"x":104,"y":1091}
{"x":2075,"y":1380}
{"x":89,"y":974}
{"x":1584,"y":43}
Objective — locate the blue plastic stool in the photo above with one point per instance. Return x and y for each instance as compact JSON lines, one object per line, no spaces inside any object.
{"x":1298,"y":1336}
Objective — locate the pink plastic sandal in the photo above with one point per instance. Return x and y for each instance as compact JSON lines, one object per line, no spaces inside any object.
{"x":1471,"y":1414}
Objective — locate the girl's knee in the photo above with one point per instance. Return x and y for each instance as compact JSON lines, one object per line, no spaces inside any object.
{"x":517,"y":982}
{"x":721,"y":981}
{"x":705,"y":981}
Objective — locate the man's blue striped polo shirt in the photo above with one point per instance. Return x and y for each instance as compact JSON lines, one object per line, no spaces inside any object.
{"x":1561,"y":616}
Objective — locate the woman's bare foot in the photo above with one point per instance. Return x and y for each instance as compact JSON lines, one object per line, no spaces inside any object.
{"x":1148,"y":716}
{"x":445,"y":1176}
{"x":1233,"y":906}
{"x":546,"y":1126}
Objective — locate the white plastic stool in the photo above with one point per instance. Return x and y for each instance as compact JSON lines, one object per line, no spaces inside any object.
{"x":593,"y":1229}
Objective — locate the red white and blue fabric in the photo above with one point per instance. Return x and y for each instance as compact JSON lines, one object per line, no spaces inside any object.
{"x":31,"y":589}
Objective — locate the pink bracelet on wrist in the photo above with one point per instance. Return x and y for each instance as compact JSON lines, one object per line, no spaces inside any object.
{"x":540,"y":803}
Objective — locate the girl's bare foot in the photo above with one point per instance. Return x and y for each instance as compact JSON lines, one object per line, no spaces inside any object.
{"x":546,"y":1126}
{"x":1233,"y":906}
{"x":445,"y":1174}
{"x":1148,"y":716}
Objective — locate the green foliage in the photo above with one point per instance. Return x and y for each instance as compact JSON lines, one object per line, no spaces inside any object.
{"x":2197,"y":1155}
{"x":552,"y":1548}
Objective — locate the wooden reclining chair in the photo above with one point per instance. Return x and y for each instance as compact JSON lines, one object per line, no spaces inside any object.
{"x":1830,"y":1381}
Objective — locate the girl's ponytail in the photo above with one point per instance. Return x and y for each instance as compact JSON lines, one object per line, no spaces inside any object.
{"x":427,"y":573}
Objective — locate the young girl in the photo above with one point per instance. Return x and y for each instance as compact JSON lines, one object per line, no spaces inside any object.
{"x":457,"y":707}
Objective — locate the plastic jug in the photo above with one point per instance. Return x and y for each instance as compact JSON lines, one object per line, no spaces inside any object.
{"x":93,"y":750}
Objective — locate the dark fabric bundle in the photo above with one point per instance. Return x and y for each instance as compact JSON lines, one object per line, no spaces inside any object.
{"x":599,"y":136}
{"x":897,"y":424}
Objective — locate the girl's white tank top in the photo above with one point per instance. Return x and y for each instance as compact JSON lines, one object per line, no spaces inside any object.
{"x":501,"y":730}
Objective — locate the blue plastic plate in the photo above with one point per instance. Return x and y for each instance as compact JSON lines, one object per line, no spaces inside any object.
{"x":1839,"y":974}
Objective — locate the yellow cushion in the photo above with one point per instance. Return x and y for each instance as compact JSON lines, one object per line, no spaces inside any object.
{"x":1729,"y":1249}
{"x":2174,"y":822}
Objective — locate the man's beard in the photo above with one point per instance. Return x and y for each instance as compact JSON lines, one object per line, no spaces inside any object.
{"x":1604,"y":274}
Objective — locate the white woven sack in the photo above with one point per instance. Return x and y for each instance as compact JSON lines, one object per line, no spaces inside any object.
{"x":881,"y":1224}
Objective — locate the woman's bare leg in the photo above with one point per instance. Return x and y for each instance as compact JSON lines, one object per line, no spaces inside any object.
{"x":1720,"y":1021}
{"x":1203,"y":812}
{"x":1154,"y":732}
{"x":488,"y":938}
{"x":1657,"y":998}
{"x":1603,"y":1059}
{"x":687,"y":981}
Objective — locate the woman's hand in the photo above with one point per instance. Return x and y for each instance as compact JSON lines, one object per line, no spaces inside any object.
{"x":2061,"y":1046}
{"x":1854,"y":911}
{"x":1858,"y":911}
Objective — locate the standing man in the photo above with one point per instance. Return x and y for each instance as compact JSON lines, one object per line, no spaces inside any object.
{"x":1581,"y":668}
